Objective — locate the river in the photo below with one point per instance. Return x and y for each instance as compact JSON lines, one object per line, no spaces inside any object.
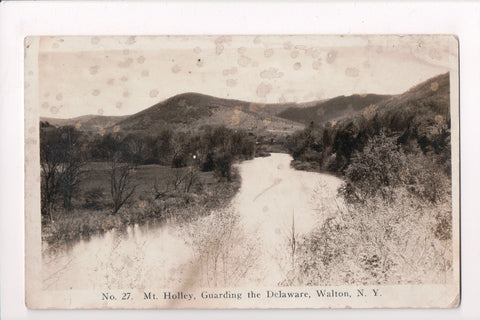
{"x":273,"y":203}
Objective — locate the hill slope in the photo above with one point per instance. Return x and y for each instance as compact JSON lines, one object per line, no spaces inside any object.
{"x":333,"y":109}
{"x":419,"y":117}
{"x":86,"y":123}
{"x":191,"y":111}
{"x":433,"y":95}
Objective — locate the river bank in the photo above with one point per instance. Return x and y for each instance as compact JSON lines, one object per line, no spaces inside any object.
{"x":155,"y":200}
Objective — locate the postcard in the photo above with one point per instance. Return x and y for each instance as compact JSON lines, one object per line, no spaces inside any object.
{"x":242,"y":171}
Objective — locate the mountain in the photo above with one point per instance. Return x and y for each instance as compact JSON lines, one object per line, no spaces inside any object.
{"x":421,"y":114}
{"x":192,"y":111}
{"x":334,"y":109}
{"x":433,"y":95}
{"x":86,"y":123}
{"x":418,"y":119}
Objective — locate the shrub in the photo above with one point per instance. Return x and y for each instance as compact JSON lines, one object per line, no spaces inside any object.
{"x":383,"y":165}
{"x":375,"y":170}
{"x":223,"y":165}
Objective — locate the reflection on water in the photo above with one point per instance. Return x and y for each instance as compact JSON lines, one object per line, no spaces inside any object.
{"x":120,"y":258}
{"x":123,"y":231}
{"x":156,"y":255}
{"x":276,"y":201}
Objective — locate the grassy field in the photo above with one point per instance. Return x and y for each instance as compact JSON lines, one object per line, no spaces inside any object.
{"x":155,"y":199}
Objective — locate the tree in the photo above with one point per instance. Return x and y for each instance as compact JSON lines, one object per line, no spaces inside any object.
{"x":73,"y":161}
{"x":177,"y":144}
{"x":191,"y":178}
{"x":49,"y":161}
{"x":378,"y":168}
{"x":134,"y":148}
{"x":61,"y":160}
{"x":121,"y":186}
{"x":105,"y":147}
{"x":384,"y":165}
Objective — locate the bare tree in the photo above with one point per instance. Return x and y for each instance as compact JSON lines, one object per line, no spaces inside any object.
{"x":135,"y":148}
{"x":176,"y":178}
{"x":49,"y":161}
{"x":121,"y":185}
{"x":61,"y":161}
{"x":72,"y":163}
{"x":157,"y":193}
{"x":191,"y":178}
{"x":177,"y":156}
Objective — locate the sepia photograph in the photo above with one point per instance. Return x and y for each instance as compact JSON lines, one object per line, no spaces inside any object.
{"x":242,"y":171}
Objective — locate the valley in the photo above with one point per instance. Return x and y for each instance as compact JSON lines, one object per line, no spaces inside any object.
{"x":346,"y":190}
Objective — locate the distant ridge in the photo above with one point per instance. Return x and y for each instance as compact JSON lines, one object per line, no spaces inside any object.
{"x":191,"y":111}
{"x":89,"y":122}
{"x":333,"y":109}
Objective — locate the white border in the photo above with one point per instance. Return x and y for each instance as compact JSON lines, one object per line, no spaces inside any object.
{"x":19,"y":19}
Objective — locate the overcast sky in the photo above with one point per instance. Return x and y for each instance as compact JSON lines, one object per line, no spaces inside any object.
{"x":124,"y":75}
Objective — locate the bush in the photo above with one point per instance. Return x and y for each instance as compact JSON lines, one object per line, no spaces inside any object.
{"x":179,"y":161}
{"x":209,"y":164}
{"x":223,"y":165}
{"x":377,"y":169}
{"x":383,"y":165}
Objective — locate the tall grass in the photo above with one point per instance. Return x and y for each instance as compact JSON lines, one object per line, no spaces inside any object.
{"x":377,"y":242}
{"x":222,"y":252}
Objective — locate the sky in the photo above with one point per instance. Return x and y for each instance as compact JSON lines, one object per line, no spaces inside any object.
{"x":109,"y":75}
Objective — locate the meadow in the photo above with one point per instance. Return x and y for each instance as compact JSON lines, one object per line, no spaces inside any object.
{"x":155,"y":199}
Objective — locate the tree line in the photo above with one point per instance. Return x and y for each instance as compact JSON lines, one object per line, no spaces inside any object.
{"x":65,"y":152}
{"x":379,"y":149}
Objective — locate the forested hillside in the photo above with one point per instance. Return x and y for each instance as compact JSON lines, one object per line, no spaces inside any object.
{"x":417,"y":119}
{"x":334,"y":109}
{"x":393,"y":219}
